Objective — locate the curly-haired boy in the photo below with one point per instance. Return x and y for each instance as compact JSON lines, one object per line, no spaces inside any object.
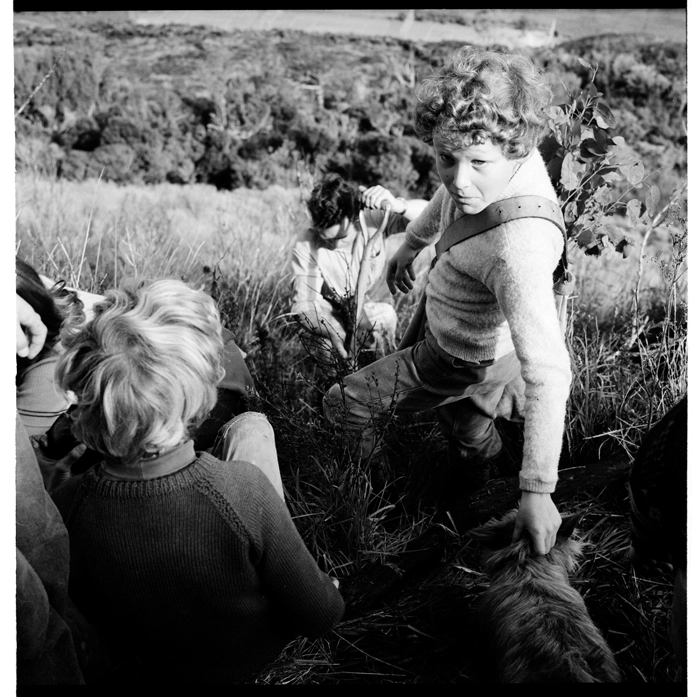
{"x":490,"y":308}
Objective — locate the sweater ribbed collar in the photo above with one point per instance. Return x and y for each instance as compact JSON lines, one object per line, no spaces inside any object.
{"x":522,"y":177}
{"x":152,"y":468}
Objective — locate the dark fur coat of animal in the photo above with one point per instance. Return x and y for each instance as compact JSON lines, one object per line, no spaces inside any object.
{"x":537,"y":625}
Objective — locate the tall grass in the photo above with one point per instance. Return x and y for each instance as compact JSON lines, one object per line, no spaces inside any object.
{"x":628,"y":343}
{"x":236,"y":246}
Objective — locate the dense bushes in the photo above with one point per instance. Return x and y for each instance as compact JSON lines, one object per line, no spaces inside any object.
{"x":151,"y":104}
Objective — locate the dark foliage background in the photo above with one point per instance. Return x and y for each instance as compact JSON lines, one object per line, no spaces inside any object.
{"x":142,"y":104}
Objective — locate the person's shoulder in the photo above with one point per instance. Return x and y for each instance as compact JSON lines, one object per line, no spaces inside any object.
{"x":305,"y":236}
{"x":238,"y":480}
{"x":243,"y":495}
{"x":533,"y":178}
{"x":305,"y":247}
{"x":441,"y":194}
{"x":439,"y":211}
{"x":444,"y":206}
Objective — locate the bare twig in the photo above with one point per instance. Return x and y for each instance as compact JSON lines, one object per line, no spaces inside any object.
{"x":40,"y":85}
{"x":363,"y":276}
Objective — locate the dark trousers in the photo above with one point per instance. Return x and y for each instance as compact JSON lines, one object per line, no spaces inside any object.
{"x":424,"y":376}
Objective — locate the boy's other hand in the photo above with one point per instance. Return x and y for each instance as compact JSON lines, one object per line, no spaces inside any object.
{"x":400,"y":272}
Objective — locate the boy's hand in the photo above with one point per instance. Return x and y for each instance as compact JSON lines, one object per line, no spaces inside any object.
{"x":379,"y":197}
{"x":400,"y":272}
{"x":539,"y":516}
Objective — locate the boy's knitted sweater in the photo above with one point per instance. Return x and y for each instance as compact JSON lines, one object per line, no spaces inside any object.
{"x":492,"y":293}
{"x":200,"y":576}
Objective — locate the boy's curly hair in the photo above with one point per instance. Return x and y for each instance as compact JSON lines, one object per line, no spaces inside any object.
{"x":482,"y":95}
{"x":331,"y":200}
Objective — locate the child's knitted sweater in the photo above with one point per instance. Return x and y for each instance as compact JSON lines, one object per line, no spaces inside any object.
{"x":199,"y":576}
{"x":492,"y":293}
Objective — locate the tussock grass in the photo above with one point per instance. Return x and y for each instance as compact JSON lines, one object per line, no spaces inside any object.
{"x":235,"y":245}
{"x":108,"y":231}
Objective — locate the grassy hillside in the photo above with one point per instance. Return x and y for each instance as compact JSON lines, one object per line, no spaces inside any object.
{"x":236,"y":245}
{"x":189,"y":152}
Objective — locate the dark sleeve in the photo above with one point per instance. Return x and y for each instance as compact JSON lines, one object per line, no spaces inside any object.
{"x":231,"y":395}
{"x":237,"y":377}
{"x":65,"y":495}
{"x":290,"y":575}
{"x":46,"y":653}
{"x":397,"y":223}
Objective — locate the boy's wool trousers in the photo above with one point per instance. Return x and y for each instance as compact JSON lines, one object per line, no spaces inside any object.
{"x":420,"y":377}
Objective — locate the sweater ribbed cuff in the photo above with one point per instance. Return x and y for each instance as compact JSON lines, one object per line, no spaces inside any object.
{"x":537,"y":486}
{"x":415,"y":242}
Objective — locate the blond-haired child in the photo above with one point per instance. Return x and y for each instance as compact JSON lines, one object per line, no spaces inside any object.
{"x":189,"y":565}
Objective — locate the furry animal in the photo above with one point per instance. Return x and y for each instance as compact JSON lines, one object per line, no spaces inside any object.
{"x":537,"y":625}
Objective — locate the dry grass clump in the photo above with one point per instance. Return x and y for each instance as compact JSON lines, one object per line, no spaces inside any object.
{"x":94,"y":233}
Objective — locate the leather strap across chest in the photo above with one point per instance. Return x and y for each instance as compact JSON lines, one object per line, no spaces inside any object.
{"x":498,"y":213}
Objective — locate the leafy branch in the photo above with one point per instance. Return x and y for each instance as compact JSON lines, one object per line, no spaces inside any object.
{"x":586,"y":161}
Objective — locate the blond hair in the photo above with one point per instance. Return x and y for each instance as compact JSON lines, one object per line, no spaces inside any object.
{"x":481,"y":95}
{"x":144,"y":370}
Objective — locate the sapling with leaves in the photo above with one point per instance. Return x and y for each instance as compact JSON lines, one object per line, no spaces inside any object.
{"x":589,"y":166}
{"x":593,"y":174}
